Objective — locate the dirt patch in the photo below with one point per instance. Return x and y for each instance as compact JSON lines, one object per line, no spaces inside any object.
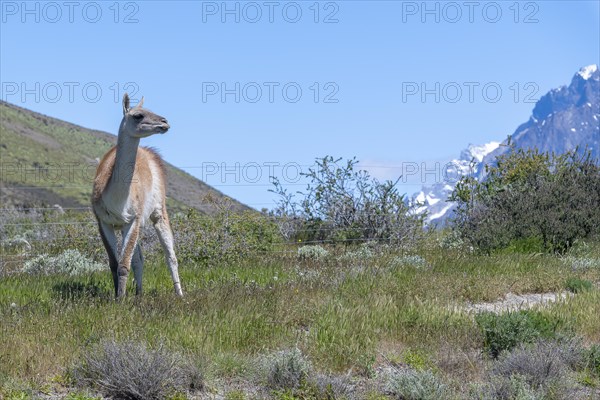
{"x":515,"y":302}
{"x":47,"y":141}
{"x":17,"y":195}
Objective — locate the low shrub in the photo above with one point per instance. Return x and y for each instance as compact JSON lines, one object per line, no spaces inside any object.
{"x":332,"y":387}
{"x":235,"y":395}
{"x":582,"y":263}
{"x":70,"y":262}
{"x":505,"y":331}
{"x":513,"y":388}
{"x":541,"y":363}
{"x":417,"y":385}
{"x":417,"y":360}
{"x":592,"y":359}
{"x":288,"y":369}
{"x":364,"y":252}
{"x":312,"y":253}
{"x":413,"y":261}
{"x":535,"y":371}
{"x":451,"y":240}
{"x":81,"y":396}
{"x":319,"y":387}
{"x":132,"y":371}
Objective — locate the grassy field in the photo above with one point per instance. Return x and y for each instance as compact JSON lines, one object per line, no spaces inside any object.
{"x":356,"y":312}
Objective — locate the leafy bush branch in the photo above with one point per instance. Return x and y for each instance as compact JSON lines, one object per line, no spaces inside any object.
{"x":342,"y":204}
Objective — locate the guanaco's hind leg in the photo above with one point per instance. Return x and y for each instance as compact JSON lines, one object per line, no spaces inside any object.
{"x":109,"y":239}
{"x":137,"y":263}
{"x":165,"y":235}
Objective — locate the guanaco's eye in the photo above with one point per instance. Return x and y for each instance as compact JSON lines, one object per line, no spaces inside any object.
{"x":138,"y":116}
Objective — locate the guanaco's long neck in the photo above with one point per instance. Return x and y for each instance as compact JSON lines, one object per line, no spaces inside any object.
{"x":127,"y":147}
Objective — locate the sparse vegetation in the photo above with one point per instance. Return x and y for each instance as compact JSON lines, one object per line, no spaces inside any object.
{"x":413,"y":261}
{"x":541,"y":370}
{"x":131,"y":371}
{"x":339,"y":310}
{"x":288,"y":370}
{"x":578,"y":285}
{"x":417,"y":385}
{"x":541,"y":366}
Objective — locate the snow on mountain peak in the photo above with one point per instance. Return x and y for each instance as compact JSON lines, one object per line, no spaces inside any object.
{"x":476,"y":152}
{"x":479,"y":152}
{"x":434,"y":198}
{"x":587,"y":72}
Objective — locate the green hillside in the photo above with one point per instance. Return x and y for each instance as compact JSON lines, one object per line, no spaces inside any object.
{"x":46,"y":161}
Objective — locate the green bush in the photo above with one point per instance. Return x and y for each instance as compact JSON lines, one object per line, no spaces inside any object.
{"x":503,"y":332}
{"x":417,"y":360}
{"x":530,"y":202}
{"x":578,"y":285}
{"x":592,"y":356}
{"x":526,"y":246}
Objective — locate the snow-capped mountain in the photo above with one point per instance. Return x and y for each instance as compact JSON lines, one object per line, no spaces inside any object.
{"x":434,"y":197}
{"x":562,"y":120}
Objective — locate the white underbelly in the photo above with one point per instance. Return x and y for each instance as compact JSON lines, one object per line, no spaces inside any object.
{"x":120,"y":213}
{"x":115,"y":211}
{"x":117,"y":208}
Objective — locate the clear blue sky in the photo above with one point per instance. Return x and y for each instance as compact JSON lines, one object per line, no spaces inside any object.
{"x":374,"y":61}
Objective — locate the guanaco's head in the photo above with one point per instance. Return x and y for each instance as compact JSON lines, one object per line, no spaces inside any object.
{"x":140,"y":122}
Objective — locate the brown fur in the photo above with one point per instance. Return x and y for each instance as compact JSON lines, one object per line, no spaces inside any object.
{"x":142,"y":172}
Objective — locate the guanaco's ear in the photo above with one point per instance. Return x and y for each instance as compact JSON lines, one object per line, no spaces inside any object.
{"x":125,"y":103}
{"x":141,"y":103}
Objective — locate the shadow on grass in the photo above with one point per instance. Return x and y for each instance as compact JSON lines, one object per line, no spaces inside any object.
{"x":73,"y":290}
